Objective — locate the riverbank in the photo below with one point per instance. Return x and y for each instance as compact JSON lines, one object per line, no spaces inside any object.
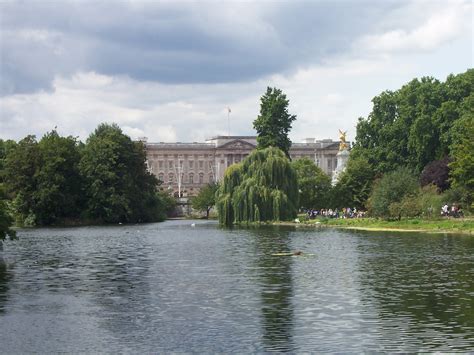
{"x":445,"y":225}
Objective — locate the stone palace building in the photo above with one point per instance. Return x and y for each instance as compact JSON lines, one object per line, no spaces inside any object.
{"x":186,"y":167}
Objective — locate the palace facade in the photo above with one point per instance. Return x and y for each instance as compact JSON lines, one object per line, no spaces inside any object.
{"x":186,"y":167}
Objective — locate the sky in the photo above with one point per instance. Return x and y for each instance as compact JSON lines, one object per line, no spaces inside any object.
{"x":168,"y":70}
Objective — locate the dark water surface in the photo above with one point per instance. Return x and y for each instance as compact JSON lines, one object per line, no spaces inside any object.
{"x":172,"y":287}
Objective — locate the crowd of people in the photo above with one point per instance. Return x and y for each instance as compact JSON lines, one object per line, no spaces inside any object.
{"x":455,"y":211}
{"x":336,"y":213}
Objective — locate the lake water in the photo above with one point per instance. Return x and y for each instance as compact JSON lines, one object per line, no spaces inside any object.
{"x":174,"y":287}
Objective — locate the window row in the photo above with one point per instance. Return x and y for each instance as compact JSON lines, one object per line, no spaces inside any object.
{"x":171,"y":164}
{"x":190,"y":178}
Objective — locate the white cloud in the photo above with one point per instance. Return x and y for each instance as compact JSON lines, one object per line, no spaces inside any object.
{"x":442,"y":25}
{"x":326,"y":94}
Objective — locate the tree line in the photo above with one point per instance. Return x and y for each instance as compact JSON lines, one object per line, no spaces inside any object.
{"x":60,"y":180}
{"x":412,"y":154}
{"x":414,"y":151}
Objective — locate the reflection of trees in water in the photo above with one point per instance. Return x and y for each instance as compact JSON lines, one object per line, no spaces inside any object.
{"x":276,"y":287}
{"x":424,"y":287}
{"x":118,"y":284}
{"x":5,"y":277}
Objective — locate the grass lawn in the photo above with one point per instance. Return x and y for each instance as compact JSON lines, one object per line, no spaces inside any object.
{"x":462,"y":225}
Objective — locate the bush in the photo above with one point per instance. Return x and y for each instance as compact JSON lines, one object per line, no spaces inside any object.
{"x":391,"y":189}
{"x":431,"y":201}
{"x":409,"y":206}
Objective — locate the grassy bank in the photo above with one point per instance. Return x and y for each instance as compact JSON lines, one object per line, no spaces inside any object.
{"x":447,"y":225}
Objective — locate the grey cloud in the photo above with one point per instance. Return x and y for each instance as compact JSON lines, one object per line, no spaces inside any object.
{"x":182,"y":42}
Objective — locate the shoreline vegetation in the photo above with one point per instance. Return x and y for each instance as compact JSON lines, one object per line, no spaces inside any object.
{"x":442,"y":225}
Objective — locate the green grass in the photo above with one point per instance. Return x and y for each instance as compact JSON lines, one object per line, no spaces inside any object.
{"x":465,"y":225}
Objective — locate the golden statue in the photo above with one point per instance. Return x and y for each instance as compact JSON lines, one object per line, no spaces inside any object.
{"x":343,"y":145}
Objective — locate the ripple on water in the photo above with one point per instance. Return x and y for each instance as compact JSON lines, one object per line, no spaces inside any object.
{"x":171,"y":287}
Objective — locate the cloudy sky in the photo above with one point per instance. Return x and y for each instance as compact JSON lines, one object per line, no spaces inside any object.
{"x":168,"y":70}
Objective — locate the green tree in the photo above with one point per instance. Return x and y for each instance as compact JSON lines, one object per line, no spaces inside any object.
{"x":314,"y":185}
{"x":5,"y":148}
{"x":118,"y":186}
{"x":462,"y":165}
{"x":354,"y":185}
{"x":22,"y":164}
{"x":6,"y":220}
{"x":167,"y":204}
{"x":413,"y":125}
{"x":205,"y":199}
{"x":391,"y":189}
{"x":58,"y":183}
{"x":262,"y":187}
{"x":274,"y":122}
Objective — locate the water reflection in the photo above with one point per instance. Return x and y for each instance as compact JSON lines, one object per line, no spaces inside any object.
{"x":5,"y":277}
{"x":173,"y":288}
{"x":424,"y":297}
{"x":276,"y":288}
{"x":117,"y":279}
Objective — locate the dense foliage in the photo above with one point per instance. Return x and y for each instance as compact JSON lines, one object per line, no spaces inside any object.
{"x":354,"y":185}
{"x":314,"y":184}
{"x":6,"y":220}
{"x":390,"y":190}
{"x":413,"y":126}
{"x":118,"y":186}
{"x":436,"y":173}
{"x":427,"y":126}
{"x":462,"y":152}
{"x":206,"y":198}
{"x":59,"y":179}
{"x":274,"y":122}
{"x":262,"y":187}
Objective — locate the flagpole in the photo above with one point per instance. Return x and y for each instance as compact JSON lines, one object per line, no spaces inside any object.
{"x":228,"y":122}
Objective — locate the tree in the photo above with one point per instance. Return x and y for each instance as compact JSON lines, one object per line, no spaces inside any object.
{"x":413,"y":126}
{"x":391,"y":189}
{"x":206,"y":199}
{"x":5,"y":148}
{"x":58,"y":192}
{"x":118,"y":186}
{"x":262,"y":187}
{"x":43,"y":179}
{"x":21,"y":166}
{"x":314,"y":185}
{"x":462,"y":165}
{"x":6,"y":221}
{"x":436,"y":173}
{"x":354,"y":185}
{"x":274,"y":122}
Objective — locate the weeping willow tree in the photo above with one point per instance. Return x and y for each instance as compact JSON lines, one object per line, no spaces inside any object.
{"x":262,"y":187}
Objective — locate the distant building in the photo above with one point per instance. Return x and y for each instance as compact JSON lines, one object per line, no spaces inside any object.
{"x":186,"y":167}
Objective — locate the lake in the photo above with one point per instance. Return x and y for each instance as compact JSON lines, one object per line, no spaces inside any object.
{"x":175,"y":287}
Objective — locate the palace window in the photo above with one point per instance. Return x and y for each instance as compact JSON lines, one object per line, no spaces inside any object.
{"x":191,"y":178}
{"x":201,"y":164}
{"x":170,"y":177}
{"x":201,"y":178}
{"x":170,"y":164}
{"x":191,"y":164}
{"x":161,"y":177}
{"x":160,"y":164}
{"x":329,"y":164}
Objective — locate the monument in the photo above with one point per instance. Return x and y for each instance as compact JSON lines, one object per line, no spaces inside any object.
{"x":342,"y":157}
